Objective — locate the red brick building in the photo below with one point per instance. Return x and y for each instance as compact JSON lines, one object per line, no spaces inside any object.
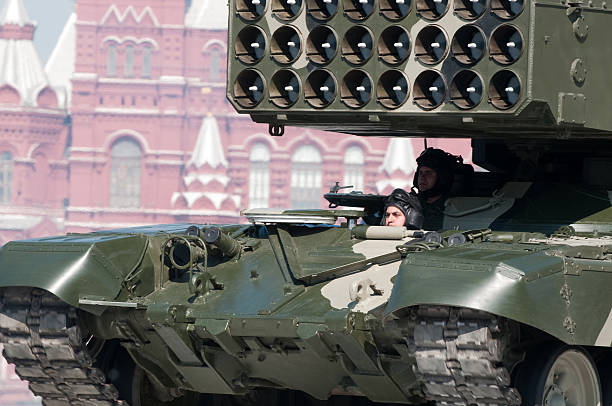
{"x":128,"y":124}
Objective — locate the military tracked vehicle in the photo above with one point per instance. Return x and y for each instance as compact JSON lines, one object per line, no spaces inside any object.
{"x":506,"y":304}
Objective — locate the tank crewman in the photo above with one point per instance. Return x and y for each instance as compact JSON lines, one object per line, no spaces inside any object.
{"x":402,"y":209}
{"x":433,"y":179}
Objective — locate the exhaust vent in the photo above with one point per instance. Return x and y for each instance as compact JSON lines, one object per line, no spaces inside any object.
{"x":506,"y":44}
{"x":468,"y":45}
{"x":466,"y":90}
{"x":321,"y":45}
{"x":356,"y":89}
{"x":284,"y":88}
{"x":429,"y":90}
{"x":322,"y":10}
{"x":250,"y":10}
{"x":431,"y":45}
{"x":357,"y":45}
{"x":286,"y":9}
{"x":286,"y":45}
{"x":358,"y":10}
{"x":320,"y":89}
{"x":250,"y":45}
{"x":249,"y":88}
{"x":504,"y":90}
{"x":393,"y":89}
{"x":395,"y":10}
{"x":394,"y":45}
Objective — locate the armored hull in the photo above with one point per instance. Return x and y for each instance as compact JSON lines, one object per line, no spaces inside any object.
{"x":295,"y":308}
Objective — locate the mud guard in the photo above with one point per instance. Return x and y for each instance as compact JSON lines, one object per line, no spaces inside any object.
{"x":535,"y":290}
{"x":72,"y":268}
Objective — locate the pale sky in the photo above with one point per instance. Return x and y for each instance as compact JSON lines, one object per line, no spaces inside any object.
{"x":50,"y":16}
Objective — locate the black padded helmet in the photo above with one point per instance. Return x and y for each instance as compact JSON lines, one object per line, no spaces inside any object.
{"x":409,"y":204}
{"x":444,"y":164}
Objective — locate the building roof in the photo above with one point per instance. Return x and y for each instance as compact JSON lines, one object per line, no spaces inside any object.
{"x":208,"y":148}
{"x":20,"y":65}
{"x":20,"y":68}
{"x":60,"y":66}
{"x":208,"y":15}
{"x":14,"y":12}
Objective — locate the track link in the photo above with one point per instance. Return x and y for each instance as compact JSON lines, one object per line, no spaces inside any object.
{"x":459,"y":354}
{"x":42,"y":338}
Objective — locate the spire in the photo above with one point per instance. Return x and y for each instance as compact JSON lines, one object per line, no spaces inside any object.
{"x":20,"y":66}
{"x":14,"y":12}
{"x":208,"y":148}
{"x":60,"y":65}
{"x":207,"y":14}
{"x":399,"y":156}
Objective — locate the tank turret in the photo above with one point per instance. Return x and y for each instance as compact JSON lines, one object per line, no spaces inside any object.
{"x":447,"y":68}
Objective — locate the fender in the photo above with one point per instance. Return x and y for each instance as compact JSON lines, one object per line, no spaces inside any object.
{"x":530,"y":285}
{"x":72,"y":267}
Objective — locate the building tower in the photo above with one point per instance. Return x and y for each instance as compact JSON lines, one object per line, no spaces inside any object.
{"x":33,"y":134}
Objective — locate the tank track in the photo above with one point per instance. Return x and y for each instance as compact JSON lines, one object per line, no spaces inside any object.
{"x":459,"y":354}
{"x":41,"y":337}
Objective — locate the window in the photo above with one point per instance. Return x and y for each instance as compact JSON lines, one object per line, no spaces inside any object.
{"x":146,"y":62}
{"x":111,"y":63}
{"x":125,"y":174}
{"x":353,"y":167}
{"x":306,"y":178}
{"x":129,"y":61}
{"x":259,"y":176}
{"x":6,"y":177}
{"x":215,"y":64}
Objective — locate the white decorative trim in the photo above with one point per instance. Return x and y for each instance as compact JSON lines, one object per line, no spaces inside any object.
{"x":140,"y":210}
{"x":123,"y":132}
{"x":175,"y":80}
{"x":84,"y":76}
{"x":307,"y":138}
{"x":137,"y":41}
{"x":101,"y":150}
{"x":33,"y":148}
{"x":165,"y":162}
{"x":30,"y":109}
{"x":347,"y":142}
{"x":124,"y":81}
{"x":88,"y":160}
{"x":129,"y":11}
{"x":38,"y":90}
{"x":111,"y":110}
{"x":213,"y":42}
{"x":259,"y":137}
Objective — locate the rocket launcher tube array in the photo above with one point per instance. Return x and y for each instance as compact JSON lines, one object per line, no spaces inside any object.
{"x":456,"y":56}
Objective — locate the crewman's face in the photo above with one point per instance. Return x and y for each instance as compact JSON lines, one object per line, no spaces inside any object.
{"x":427,"y":178}
{"x":394,"y":217}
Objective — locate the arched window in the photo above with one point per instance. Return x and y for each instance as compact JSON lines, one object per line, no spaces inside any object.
{"x":6,"y":177}
{"x":215,"y":64}
{"x":306,"y":178}
{"x":111,"y":60}
{"x":129,"y":61}
{"x":353,"y":167}
{"x":259,"y":176}
{"x":125,"y":174}
{"x":146,"y":62}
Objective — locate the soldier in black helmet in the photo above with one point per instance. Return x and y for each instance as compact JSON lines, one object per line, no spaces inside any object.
{"x":433,"y":179}
{"x":402,"y":209}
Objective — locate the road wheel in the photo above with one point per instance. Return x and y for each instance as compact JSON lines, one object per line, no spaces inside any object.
{"x":563,"y":377}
